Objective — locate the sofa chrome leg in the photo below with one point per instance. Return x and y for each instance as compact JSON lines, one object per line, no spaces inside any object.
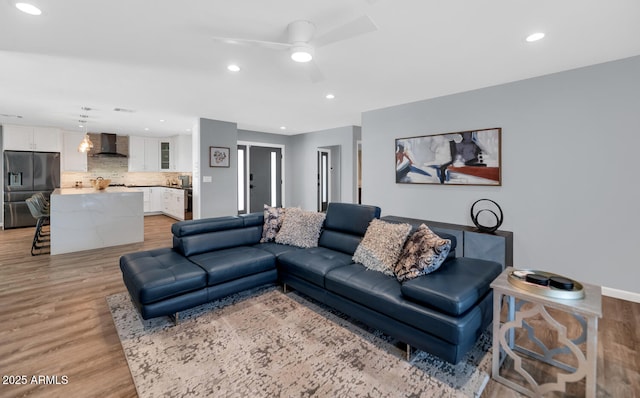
{"x":284,"y":288}
{"x":408,"y":353}
{"x":175,"y":318}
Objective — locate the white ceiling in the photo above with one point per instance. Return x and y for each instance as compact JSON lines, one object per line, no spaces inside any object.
{"x":158,"y":57}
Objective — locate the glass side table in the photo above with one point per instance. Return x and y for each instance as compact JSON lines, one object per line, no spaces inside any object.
{"x":523,"y":305}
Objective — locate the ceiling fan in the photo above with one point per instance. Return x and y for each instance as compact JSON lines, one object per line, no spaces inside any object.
{"x":301,"y":42}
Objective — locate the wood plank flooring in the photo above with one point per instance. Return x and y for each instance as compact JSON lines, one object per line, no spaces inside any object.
{"x":54,"y":321}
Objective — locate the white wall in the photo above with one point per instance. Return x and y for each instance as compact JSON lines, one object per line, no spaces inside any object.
{"x":570,"y":167}
{"x":302,"y":154}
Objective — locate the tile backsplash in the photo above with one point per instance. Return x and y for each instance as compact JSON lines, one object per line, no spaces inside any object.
{"x":116,"y":169}
{"x":68,"y":180}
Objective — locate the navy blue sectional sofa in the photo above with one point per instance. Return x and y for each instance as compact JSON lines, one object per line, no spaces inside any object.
{"x":442,"y":313}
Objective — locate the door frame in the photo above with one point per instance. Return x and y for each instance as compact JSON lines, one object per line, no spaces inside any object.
{"x":248,"y":145}
{"x":320,"y":151}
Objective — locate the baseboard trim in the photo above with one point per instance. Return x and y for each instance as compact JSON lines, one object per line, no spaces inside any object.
{"x":621,"y":294}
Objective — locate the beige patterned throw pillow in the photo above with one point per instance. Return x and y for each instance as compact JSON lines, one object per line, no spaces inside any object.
{"x":301,"y":228}
{"x":381,"y":246}
{"x":423,"y":253}
{"x":273,"y":217}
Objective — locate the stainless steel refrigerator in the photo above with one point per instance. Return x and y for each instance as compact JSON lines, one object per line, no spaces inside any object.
{"x":26,"y":173}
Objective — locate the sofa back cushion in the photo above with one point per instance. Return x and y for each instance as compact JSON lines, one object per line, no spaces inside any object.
{"x":195,"y":227}
{"x":200,"y":236}
{"x":345,"y":225}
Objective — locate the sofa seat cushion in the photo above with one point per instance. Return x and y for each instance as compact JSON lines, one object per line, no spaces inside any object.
{"x":455,"y":287}
{"x":276,"y":248}
{"x":312,"y":264}
{"x":159,"y":274}
{"x":382,"y":293}
{"x":233,"y":263}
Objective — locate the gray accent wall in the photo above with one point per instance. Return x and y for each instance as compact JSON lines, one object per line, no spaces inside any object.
{"x":570,"y":167}
{"x":220,"y":196}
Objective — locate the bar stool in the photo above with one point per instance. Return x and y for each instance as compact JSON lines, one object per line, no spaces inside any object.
{"x":42,"y":219}
{"x":42,"y":201}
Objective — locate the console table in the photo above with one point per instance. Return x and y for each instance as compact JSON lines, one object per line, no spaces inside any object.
{"x":586,"y":311}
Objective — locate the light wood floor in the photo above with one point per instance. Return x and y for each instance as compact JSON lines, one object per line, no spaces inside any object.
{"x":54,"y":321}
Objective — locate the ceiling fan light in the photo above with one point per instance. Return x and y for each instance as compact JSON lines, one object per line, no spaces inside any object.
{"x":28,"y":8}
{"x":302,"y":54}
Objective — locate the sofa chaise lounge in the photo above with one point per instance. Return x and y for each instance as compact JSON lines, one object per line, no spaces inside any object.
{"x":442,"y":313}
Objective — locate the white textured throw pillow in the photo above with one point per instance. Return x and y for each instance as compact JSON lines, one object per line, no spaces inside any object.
{"x":381,"y":246}
{"x":300,"y":228}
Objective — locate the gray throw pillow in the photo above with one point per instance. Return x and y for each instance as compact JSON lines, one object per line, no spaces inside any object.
{"x":381,"y":246}
{"x":300,"y":228}
{"x":423,"y":253}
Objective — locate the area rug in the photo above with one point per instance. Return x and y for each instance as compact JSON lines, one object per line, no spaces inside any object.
{"x":264,"y":343}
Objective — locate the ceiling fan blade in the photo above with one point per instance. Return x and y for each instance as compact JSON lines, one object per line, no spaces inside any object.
{"x":253,"y":43}
{"x":357,"y":27}
{"x":315,"y":74}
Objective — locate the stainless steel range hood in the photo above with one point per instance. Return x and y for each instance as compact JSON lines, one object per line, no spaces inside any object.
{"x":108,"y":146}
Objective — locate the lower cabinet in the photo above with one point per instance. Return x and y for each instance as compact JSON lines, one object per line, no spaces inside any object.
{"x":167,"y":201}
{"x":173,"y":203}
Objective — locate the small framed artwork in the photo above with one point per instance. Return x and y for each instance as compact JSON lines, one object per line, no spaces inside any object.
{"x":219,"y":156}
{"x":460,"y":158}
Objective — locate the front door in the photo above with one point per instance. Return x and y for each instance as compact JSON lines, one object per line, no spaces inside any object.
{"x":265,"y":177}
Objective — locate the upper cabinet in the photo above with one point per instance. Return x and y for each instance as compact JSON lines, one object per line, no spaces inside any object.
{"x":160,"y":154}
{"x":144,"y":154}
{"x":167,"y":154}
{"x":72,"y":159}
{"x":27,"y":138}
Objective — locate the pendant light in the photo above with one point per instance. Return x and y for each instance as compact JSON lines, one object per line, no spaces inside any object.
{"x":85,"y":145}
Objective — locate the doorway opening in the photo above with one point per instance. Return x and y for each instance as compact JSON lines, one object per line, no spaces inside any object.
{"x":324,"y":177}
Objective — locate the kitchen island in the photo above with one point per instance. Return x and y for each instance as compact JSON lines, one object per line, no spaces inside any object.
{"x":85,"y":218}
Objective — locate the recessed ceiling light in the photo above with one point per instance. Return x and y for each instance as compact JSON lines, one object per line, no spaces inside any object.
{"x":28,"y":8}
{"x":146,"y":129}
{"x":161,"y":120}
{"x":81,"y":125}
{"x":233,"y":68}
{"x":283,"y":127}
{"x":535,"y":37}
{"x":330,"y":96}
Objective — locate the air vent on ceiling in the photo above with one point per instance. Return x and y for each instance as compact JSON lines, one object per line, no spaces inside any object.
{"x":123,"y":110}
{"x":6,"y":115}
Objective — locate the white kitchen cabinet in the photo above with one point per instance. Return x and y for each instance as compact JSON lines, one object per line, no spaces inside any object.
{"x":144,"y":154}
{"x":155,"y":200}
{"x":167,"y":154}
{"x":28,"y":138}
{"x":152,"y":199}
{"x":183,"y":153}
{"x":173,"y":203}
{"x":145,"y":198}
{"x":72,"y":159}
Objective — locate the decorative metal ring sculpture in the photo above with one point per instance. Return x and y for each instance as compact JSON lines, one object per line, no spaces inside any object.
{"x":484,"y":228}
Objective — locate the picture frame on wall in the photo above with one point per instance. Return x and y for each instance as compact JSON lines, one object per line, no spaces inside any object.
{"x":219,"y":156}
{"x":472,"y":157}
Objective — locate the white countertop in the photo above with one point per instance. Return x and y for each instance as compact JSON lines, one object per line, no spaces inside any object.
{"x":92,"y":191}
